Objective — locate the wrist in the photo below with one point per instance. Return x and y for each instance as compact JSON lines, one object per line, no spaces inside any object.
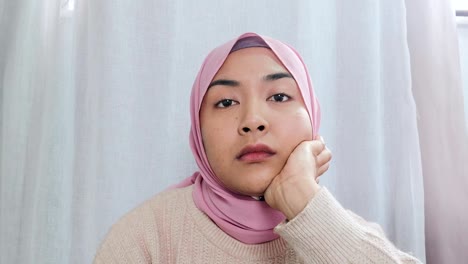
{"x":298,"y":200}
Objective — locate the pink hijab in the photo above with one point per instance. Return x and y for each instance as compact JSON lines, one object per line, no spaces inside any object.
{"x":242,"y":217}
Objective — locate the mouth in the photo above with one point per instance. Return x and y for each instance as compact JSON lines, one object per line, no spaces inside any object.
{"x":255,"y":153}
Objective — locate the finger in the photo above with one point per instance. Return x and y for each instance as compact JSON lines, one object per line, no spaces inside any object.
{"x":323,"y":169}
{"x":319,"y":137}
{"x":317,"y":147}
{"x":324,"y":157}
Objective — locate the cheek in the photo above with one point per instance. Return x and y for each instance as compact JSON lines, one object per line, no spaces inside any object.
{"x":216,"y":141}
{"x":299,"y":125}
{"x":209,"y":137}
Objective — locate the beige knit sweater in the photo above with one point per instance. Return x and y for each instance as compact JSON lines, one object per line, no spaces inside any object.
{"x":169,"y":228}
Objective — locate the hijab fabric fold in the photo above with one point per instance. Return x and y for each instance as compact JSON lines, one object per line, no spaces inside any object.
{"x":242,"y":217}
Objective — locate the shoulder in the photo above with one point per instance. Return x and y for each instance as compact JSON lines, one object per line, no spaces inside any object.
{"x":138,"y":231}
{"x":151,"y":209}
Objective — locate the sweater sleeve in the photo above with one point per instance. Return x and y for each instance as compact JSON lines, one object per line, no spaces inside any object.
{"x":324,"y":232}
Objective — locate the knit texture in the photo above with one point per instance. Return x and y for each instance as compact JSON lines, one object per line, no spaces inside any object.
{"x":169,"y":228}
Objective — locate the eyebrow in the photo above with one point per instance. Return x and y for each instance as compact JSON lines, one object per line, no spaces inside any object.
{"x":231,"y":83}
{"x":277,"y":76}
{"x":269,"y":77}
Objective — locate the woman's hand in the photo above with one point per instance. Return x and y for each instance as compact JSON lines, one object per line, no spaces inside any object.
{"x":297,"y":183}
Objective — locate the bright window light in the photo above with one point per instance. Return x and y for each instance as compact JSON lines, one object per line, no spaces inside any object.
{"x":67,"y":7}
{"x":461,"y":12}
{"x":460,"y":5}
{"x":71,"y":5}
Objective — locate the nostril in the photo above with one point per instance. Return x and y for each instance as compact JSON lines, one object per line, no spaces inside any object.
{"x":245,"y":129}
{"x":261,"y":128}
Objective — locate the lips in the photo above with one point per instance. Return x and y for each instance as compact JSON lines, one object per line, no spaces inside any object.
{"x":255,"y":153}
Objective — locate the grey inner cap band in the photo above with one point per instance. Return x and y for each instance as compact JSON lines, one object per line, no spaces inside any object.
{"x":249,"y":42}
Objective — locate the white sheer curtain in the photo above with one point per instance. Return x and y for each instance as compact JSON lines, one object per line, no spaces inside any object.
{"x":94,"y":111}
{"x":437,"y":89}
{"x":463,"y":46}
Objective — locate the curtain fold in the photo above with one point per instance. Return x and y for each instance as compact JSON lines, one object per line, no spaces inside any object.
{"x":37,"y":135}
{"x":438,"y":92}
{"x":94,"y":112}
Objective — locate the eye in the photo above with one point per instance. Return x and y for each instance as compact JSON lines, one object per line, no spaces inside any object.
{"x":225,"y":103}
{"x":281,"y":97}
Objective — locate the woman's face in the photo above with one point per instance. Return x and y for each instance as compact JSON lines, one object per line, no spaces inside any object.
{"x":252,"y":117}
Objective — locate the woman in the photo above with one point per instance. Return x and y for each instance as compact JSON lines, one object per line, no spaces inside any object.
{"x":256,"y":198}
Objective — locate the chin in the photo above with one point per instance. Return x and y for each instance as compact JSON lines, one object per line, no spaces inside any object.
{"x":251,"y":182}
{"x":256,"y":187}
{"x":256,"y":192}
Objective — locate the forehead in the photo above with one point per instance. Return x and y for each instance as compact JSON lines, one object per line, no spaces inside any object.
{"x":251,"y":60}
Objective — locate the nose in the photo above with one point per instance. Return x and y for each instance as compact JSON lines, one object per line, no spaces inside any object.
{"x":253,"y":122}
{"x":248,"y":129}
